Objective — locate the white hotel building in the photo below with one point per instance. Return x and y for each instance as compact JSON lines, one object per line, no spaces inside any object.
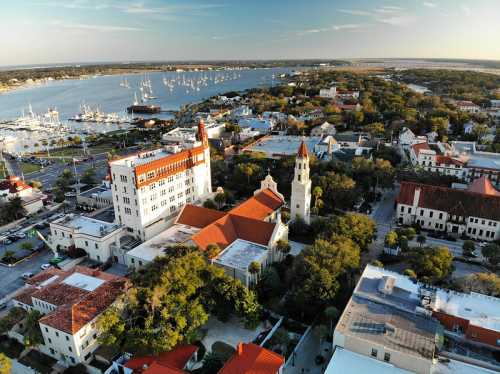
{"x":150,"y":188}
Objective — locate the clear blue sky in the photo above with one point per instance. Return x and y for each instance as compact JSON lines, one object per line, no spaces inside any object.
{"x":46,"y":31}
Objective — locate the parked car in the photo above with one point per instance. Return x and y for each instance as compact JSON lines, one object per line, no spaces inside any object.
{"x":27,"y":275}
{"x":20,"y":235}
{"x":3,"y":304}
{"x":12,"y":238}
{"x":45,"y":266}
{"x":7,"y":241}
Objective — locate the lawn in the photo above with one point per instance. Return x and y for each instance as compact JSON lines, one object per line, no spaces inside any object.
{"x":76,"y":152}
{"x":28,"y":167}
{"x":38,"y":361}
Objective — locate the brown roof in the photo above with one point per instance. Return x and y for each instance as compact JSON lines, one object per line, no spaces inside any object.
{"x":483,"y":186}
{"x":253,"y":359}
{"x":198,"y":216}
{"x":447,"y":160}
{"x":45,"y":275}
{"x":259,"y":206}
{"x":453,"y":201}
{"x":419,"y":147}
{"x":60,"y":294}
{"x":25,"y":296}
{"x":13,"y":184}
{"x":303,"y":150}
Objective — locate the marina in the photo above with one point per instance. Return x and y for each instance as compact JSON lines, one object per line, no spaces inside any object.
{"x":104,"y":104}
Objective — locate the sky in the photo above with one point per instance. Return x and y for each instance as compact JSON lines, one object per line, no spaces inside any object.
{"x":52,"y":31}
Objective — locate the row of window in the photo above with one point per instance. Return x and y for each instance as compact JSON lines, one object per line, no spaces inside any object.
{"x":387,"y":356}
{"x":186,"y":163}
{"x":483,"y":222}
{"x":480,"y":232}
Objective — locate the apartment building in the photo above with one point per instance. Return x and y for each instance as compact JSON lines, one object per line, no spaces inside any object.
{"x":467,"y":106}
{"x":395,"y":324}
{"x":431,"y":157}
{"x":94,"y":236}
{"x":474,"y":212}
{"x":71,"y":302}
{"x":150,"y":188}
{"x":328,"y":93}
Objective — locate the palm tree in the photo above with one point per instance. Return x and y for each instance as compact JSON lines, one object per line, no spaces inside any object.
{"x":318,"y":203}
{"x":220,"y":199}
{"x":331,"y":313}
{"x":283,"y":247}
{"x":254,"y":269}
{"x":421,"y":239}
{"x":15,"y":208}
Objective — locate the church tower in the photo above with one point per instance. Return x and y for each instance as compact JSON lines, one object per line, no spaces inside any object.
{"x":300,"y":205}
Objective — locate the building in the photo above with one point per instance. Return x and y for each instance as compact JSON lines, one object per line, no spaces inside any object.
{"x":324,"y":129}
{"x":71,"y":302}
{"x":348,"y":94}
{"x":278,"y":146}
{"x":150,"y":188}
{"x":96,"y":237}
{"x":495,"y":104}
{"x":247,"y":233}
{"x":96,"y":198}
{"x":178,"y":361}
{"x":32,"y":200}
{"x":402,"y":323}
{"x":478,"y":164}
{"x":252,"y":359}
{"x":474,"y":212}
{"x":241,"y":111}
{"x":263,"y":125}
{"x":300,"y":203}
{"x":328,"y":93}
{"x":430,"y":157}
{"x":467,"y":106}
{"x":184,"y":135}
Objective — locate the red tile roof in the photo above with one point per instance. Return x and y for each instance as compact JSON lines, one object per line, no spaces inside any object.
{"x":419,"y":147}
{"x":453,"y":201}
{"x":259,"y":206}
{"x":253,"y":359}
{"x":303,"y":150}
{"x":13,"y":184}
{"x":172,"y":362}
{"x":483,"y":186}
{"x":447,"y":160}
{"x":198,"y":216}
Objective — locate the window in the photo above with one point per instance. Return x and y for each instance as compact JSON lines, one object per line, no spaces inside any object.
{"x":70,"y":349}
{"x":67,"y":338}
{"x":298,"y":177}
{"x":374,"y":352}
{"x":440,"y":215}
{"x":46,"y":330}
{"x":132,"y":260}
{"x":57,"y":334}
{"x":86,"y":243}
{"x":402,"y":209}
{"x":50,"y":341}
{"x":431,"y":214}
{"x":72,"y":360}
{"x":421,"y":212}
{"x":96,"y":246}
{"x":387,"y":357}
{"x":140,"y":263}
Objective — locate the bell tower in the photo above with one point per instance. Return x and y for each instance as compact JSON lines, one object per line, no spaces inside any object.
{"x":300,"y":204}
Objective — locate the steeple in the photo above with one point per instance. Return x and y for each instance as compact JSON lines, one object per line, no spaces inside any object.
{"x":300,"y":203}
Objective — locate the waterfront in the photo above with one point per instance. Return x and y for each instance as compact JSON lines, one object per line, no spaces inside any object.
{"x":106,"y":93}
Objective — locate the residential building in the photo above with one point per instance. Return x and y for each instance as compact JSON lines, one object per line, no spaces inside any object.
{"x":401,"y":323}
{"x":467,"y":106}
{"x":328,"y":93}
{"x":247,"y":233}
{"x":94,"y":236}
{"x":32,"y":199}
{"x":474,"y":212}
{"x":348,"y":94}
{"x":430,"y":157}
{"x":184,"y":135}
{"x":252,"y":359}
{"x":300,"y":203}
{"x":478,"y":164}
{"x":150,"y":188}
{"x":71,"y":302}
{"x":263,"y":125}
{"x":178,"y":361}
{"x":407,"y":138}
{"x":324,"y":129}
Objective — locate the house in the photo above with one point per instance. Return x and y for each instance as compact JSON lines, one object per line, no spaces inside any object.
{"x":257,"y":124}
{"x":178,"y":361}
{"x":247,"y":233}
{"x":96,"y":237}
{"x":328,"y":93}
{"x":467,"y":106}
{"x":394,"y":324}
{"x":406,"y":137}
{"x":252,"y":359}
{"x":71,"y":303}
{"x":32,"y":199}
{"x":324,"y":129}
{"x":474,"y":212}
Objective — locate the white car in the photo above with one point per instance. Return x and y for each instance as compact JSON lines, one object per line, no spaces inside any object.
{"x":45,"y":266}
{"x":483,"y":244}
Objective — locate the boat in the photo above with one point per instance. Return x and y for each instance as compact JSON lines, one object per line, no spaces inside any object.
{"x":146,"y":109}
{"x":124,"y":83}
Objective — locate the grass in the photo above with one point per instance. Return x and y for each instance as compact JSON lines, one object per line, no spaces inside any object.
{"x":38,"y":361}
{"x":10,"y":347}
{"x":76,"y":152}
{"x":28,"y":167}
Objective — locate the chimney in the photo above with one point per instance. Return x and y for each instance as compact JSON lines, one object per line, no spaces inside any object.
{"x":416,"y":196}
{"x":239,"y":349}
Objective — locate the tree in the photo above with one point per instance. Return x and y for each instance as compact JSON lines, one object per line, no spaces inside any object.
{"x":356,"y":226}
{"x":318,"y":268}
{"x":248,"y":170}
{"x":254,"y":269}
{"x":283,"y":247}
{"x":332,"y":314}
{"x":210,"y":204}
{"x":492,"y":253}
{"x":212,"y":363}
{"x":410,"y":273}
{"x":377,"y":263}
{"x":375,"y":129}
{"x":213,"y":251}
{"x":36,"y":184}
{"x":391,"y":239}
{"x":5,"y":364}
{"x":33,"y":334}
{"x":468,"y":248}
{"x":27,"y":246}
{"x":421,"y":239}
{"x":89,"y":177}
{"x":170,"y":299}
{"x":484,"y":283}
{"x":338,"y":190}
{"x":220,"y":199}
{"x":9,"y":256}
{"x":14,"y":209}
{"x":432,"y":264}
{"x":318,"y":203}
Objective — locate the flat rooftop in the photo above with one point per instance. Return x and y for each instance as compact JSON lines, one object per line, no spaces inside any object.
{"x":99,"y":190}
{"x":152,"y":155}
{"x":241,"y":253}
{"x":347,"y":362}
{"x":280,"y":145}
{"x":84,"y":282}
{"x":87,"y":225}
{"x":177,"y":234}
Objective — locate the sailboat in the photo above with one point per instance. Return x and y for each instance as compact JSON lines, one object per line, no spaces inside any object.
{"x":124,"y":83}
